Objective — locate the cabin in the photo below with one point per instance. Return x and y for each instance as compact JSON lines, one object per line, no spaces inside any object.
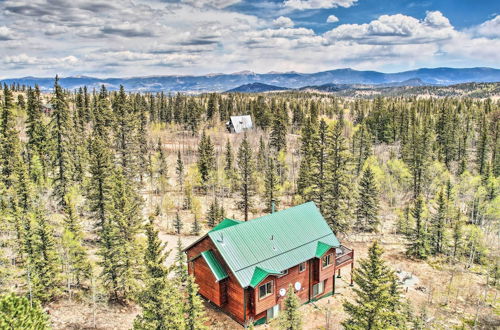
{"x":239,"y":124}
{"x":245,"y":268}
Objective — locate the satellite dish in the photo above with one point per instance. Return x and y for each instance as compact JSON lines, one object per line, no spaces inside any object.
{"x":282,"y":292}
{"x":298,"y":286}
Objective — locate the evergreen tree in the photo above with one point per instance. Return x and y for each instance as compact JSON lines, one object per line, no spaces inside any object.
{"x":262,"y":155}
{"x":196,"y":228}
{"x":125,"y":137}
{"x":180,"y":264}
{"x":246,"y":170}
{"x":482,"y":148}
{"x":278,"y":134}
{"x":178,"y":224}
{"x":43,"y":264}
{"x":419,"y":246}
{"x":119,"y":248}
{"x":37,"y":132}
{"x":377,"y":301}
{"x":290,"y":318}
{"x":10,"y":145}
{"x":61,"y":135}
{"x":367,"y":208}
{"x":161,"y":301}
{"x":206,"y":157}
{"x":179,"y":170}
{"x":437,"y":231}
{"x":194,"y":308}
{"x":362,"y":147}
{"x":18,"y":313}
{"x":271,"y":182}
{"x":307,"y":163}
{"x":320,"y":165}
{"x":337,"y":211}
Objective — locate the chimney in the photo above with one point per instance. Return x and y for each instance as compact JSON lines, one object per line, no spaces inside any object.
{"x":273,"y":205}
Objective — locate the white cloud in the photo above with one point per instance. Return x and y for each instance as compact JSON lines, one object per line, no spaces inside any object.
{"x":283,"y":21}
{"x":211,"y":3}
{"x":6,"y":33}
{"x":395,"y":29}
{"x":489,"y":29}
{"x":318,"y":4}
{"x":332,"y":19}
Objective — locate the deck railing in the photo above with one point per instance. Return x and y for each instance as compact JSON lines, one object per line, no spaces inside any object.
{"x":344,"y":255}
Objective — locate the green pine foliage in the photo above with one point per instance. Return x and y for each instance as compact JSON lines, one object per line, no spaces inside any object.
{"x":194,"y":308}
{"x":18,"y":313}
{"x":206,"y":158}
{"x":290,"y":318}
{"x":368,"y":200}
{"x":419,"y":239}
{"x":377,"y":304}
{"x":246,"y":169}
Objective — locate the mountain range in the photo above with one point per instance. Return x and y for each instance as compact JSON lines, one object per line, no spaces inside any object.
{"x":287,"y":80}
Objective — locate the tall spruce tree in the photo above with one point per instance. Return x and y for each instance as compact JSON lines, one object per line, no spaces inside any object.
{"x":61,"y":135}
{"x":160,"y":300}
{"x":306,"y":170}
{"x":206,"y":158}
{"x":271,"y":182}
{"x":419,"y":244}
{"x":438,"y":226}
{"x":290,"y":318}
{"x":246,"y":170}
{"x":179,"y":171}
{"x":320,"y":165}
{"x":194,"y":308}
{"x":377,"y":301}
{"x":337,"y":211}
{"x":367,"y":207}
{"x":19,"y":313}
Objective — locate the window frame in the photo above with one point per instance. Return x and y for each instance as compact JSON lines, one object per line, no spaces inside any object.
{"x":268,"y":293}
{"x":330,"y":261}
{"x":302,"y":264}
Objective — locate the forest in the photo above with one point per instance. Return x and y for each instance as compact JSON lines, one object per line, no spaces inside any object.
{"x":100,"y":191}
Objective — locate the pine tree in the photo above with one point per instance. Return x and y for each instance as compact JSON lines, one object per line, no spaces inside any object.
{"x":337,"y":211}
{"x":362,"y":147}
{"x":482,"y":148}
{"x":125,"y":137}
{"x":367,"y":208}
{"x":180,"y":264}
{"x":37,"y":133}
{"x":18,"y":313}
{"x":271,"y":182}
{"x":196,"y":228}
{"x":43,"y":264}
{"x":119,"y":247}
{"x":262,"y":154}
{"x":61,"y":135}
{"x":178,"y":225}
{"x":419,"y":246}
{"x":377,"y":301}
{"x":161,"y":301}
{"x":437,"y":231}
{"x":307,"y":163}
{"x":179,"y":170}
{"x":290,"y":318}
{"x":246,"y":169}
{"x":278,"y":134}
{"x":10,"y":145}
{"x":206,"y":157}
{"x":76,"y":260}
{"x":194,"y":308}
{"x":320,"y":165}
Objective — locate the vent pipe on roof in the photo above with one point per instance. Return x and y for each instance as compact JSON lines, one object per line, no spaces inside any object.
{"x":272,"y":240}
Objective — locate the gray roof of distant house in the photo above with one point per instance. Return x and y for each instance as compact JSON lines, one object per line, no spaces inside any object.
{"x":241,"y":123}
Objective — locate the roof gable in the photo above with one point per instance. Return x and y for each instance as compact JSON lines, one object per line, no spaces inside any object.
{"x":214,"y":265}
{"x":274,"y":242}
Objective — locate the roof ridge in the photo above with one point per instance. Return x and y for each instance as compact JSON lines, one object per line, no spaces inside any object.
{"x":268,"y":215}
{"x":277,"y":255}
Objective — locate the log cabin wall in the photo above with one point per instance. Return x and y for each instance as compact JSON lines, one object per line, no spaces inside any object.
{"x":207,"y":283}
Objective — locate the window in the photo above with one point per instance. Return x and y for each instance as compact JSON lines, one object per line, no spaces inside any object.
{"x":273,"y":312}
{"x":327,"y":260}
{"x":265,"y":289}
{"x":302,"y":267}
{"x":318,"y":288}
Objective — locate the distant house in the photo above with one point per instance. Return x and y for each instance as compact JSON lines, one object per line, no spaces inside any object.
{"x":47,"y":108}
{"x":238,"y":124}
{"x":245,"y":268}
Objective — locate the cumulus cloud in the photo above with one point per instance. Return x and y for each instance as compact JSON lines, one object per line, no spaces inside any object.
{"x":396,"y":29}
{"x":489,"y":29}
{"x":283,"y":21}
{"x":332,"y":19}
{"x":318,"y":4}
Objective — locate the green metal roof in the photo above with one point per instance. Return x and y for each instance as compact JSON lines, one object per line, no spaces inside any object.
{"x":321,"y":249}
{"x":273,"y":242}
{"x":214,"y":265}
{"x":225,"y":223}
{"x":259,"y":274}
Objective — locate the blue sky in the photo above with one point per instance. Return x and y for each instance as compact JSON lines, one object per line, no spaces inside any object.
{"x":161,"y":37}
